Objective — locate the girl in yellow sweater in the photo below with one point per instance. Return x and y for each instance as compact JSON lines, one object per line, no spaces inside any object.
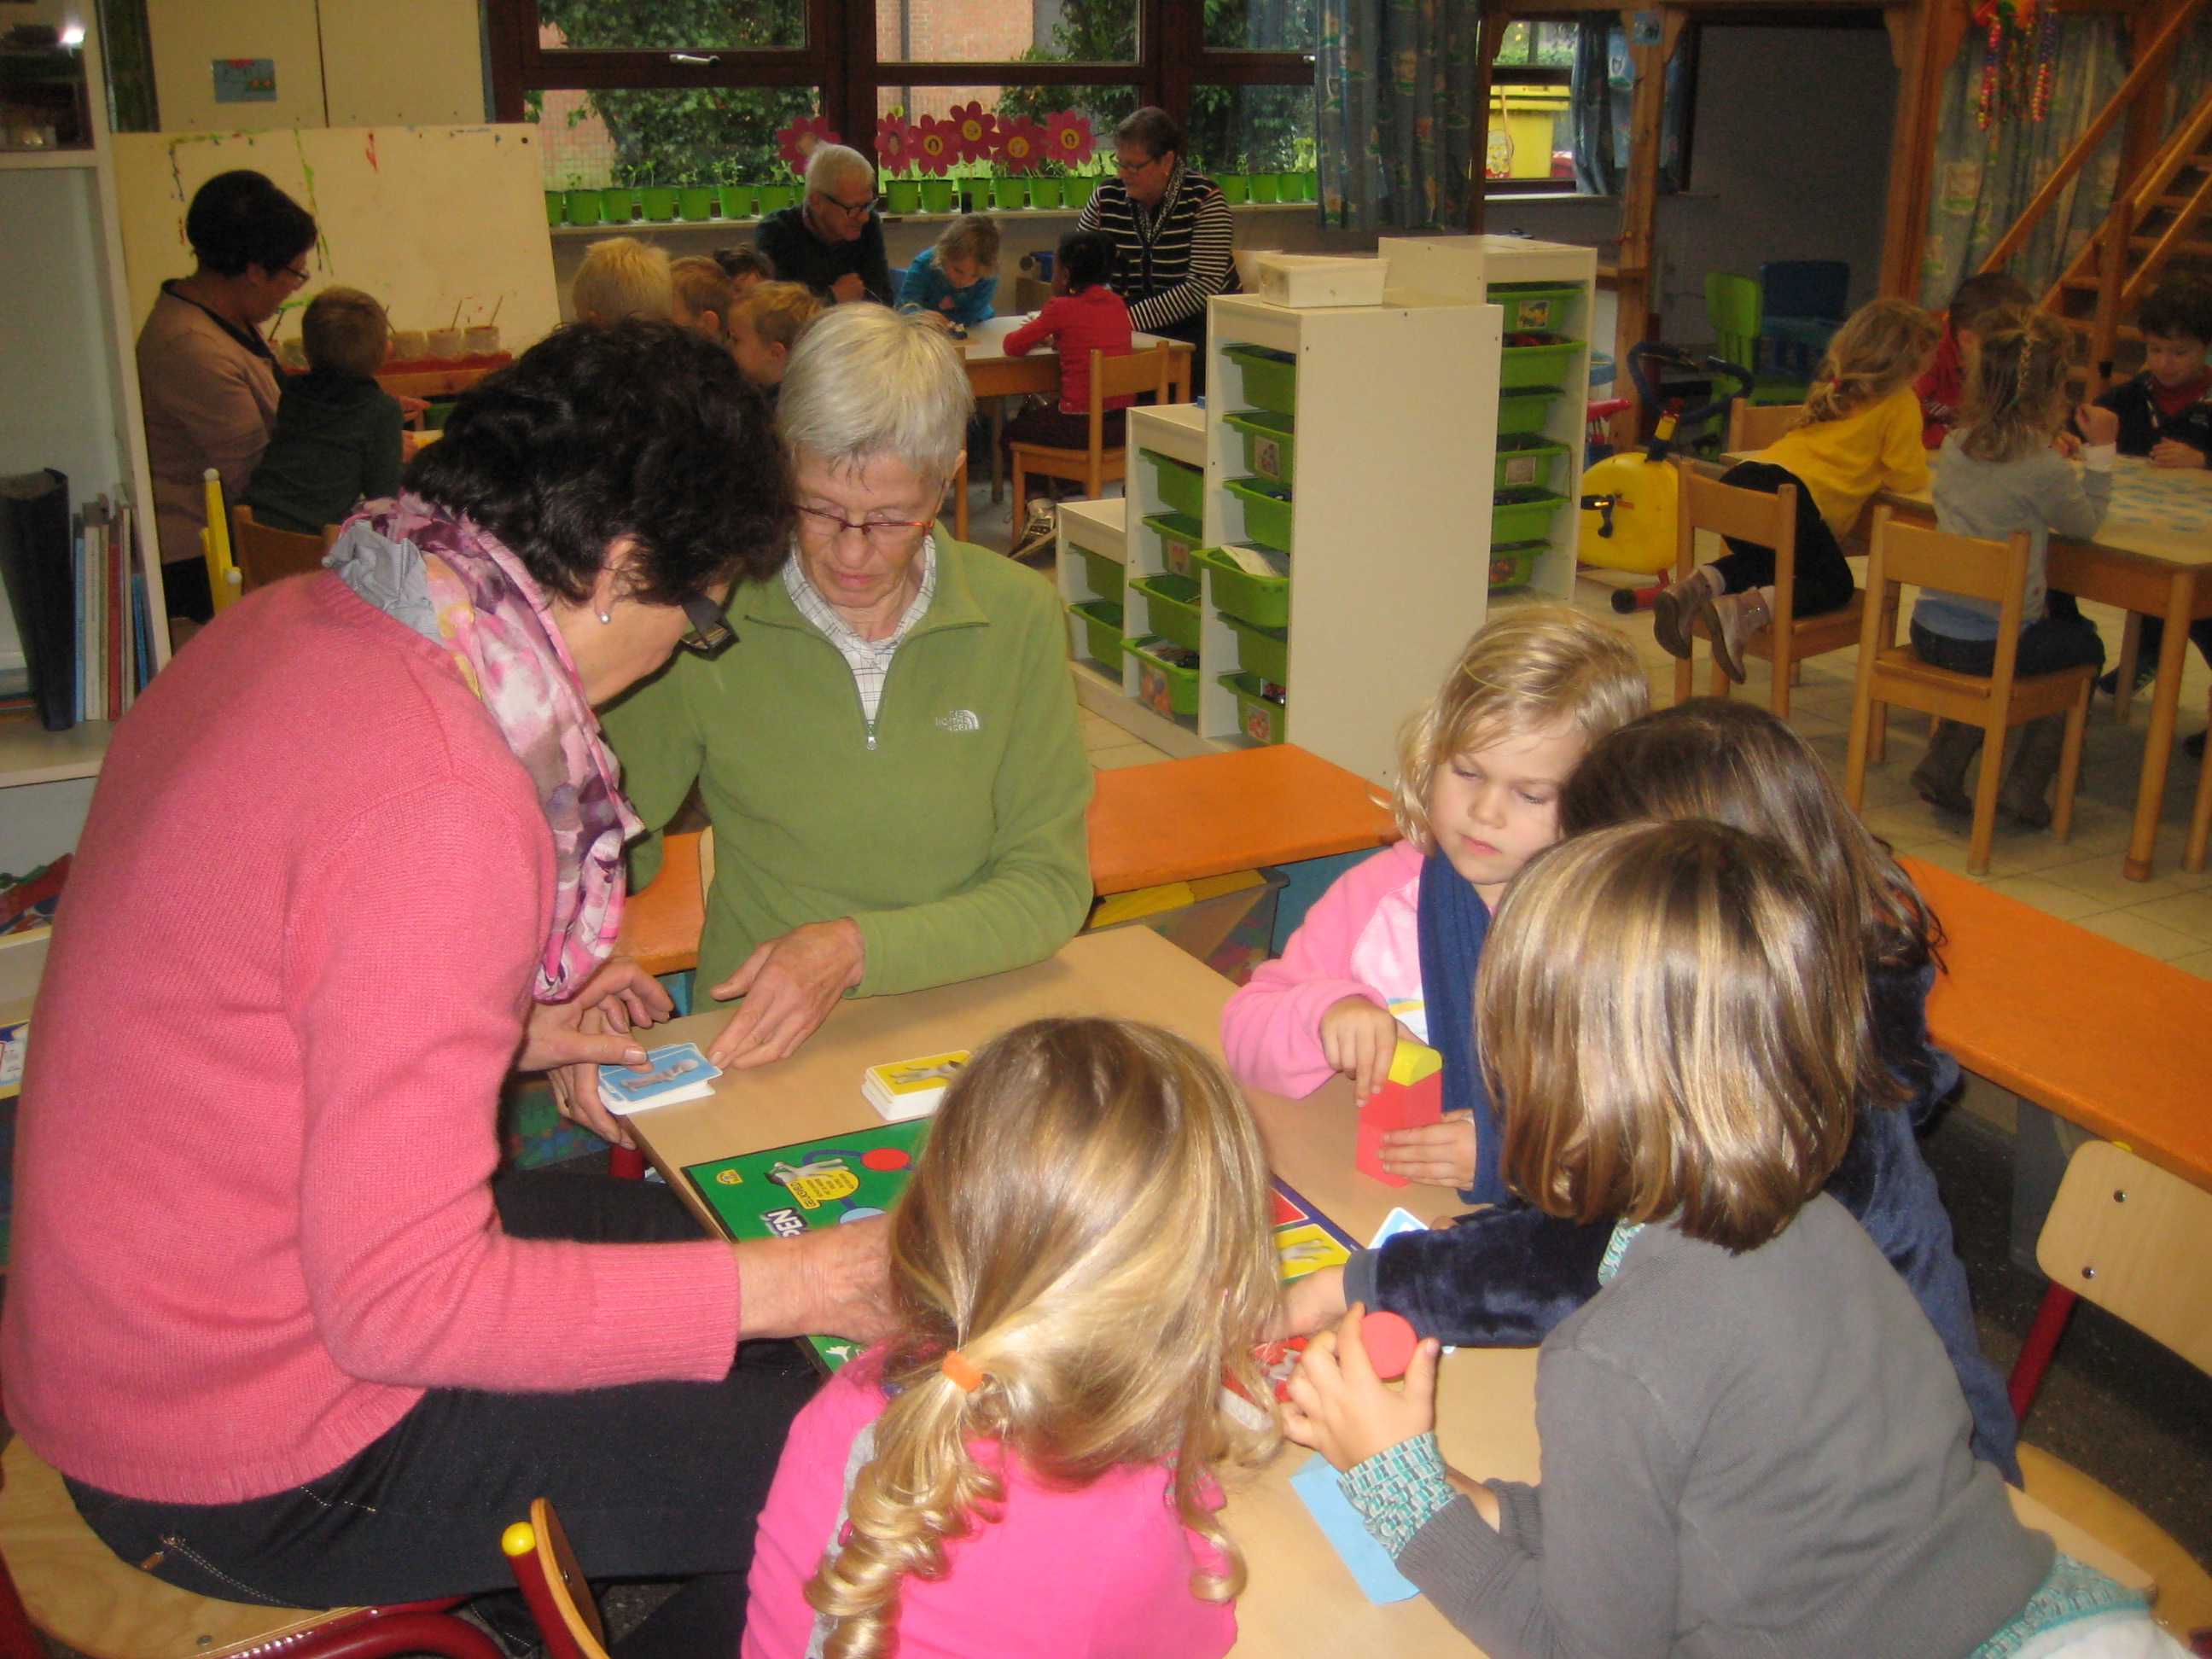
{"x":1860,"y":433}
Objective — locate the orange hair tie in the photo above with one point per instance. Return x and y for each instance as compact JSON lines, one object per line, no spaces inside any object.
{"x":961,"y":1370}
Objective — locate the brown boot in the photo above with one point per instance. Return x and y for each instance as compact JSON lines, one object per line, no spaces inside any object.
{"x":1941,"y":777}
{"x":2027,"y":781}
{"x":1676,"y":610}
{"x":1732,"y":620}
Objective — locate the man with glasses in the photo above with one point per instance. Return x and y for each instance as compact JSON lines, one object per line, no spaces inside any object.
{"x":832,"y":241}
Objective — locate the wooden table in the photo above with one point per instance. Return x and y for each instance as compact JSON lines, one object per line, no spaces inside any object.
{"x":994,"y":372}
{"x":1300,"y":1599}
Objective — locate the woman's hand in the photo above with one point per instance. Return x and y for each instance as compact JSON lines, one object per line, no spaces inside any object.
{"x":789,"y":984}
{"x":570,"y":1040}
{"x":1359,"y":1039}
{"x":832,"y":1281}
{"x":1342,"y":1410}
{"x":1436,"y":1155}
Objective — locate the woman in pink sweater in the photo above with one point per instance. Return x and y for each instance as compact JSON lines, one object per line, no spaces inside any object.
{"x":354,"y":857}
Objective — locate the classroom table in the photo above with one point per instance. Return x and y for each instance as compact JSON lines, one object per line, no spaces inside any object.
{"x":994,"y":372}
{"x":1300,"y":1599}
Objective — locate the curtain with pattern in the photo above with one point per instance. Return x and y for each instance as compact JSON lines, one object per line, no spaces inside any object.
{"x":1399,"y":107}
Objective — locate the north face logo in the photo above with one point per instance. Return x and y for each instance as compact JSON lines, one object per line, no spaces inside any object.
{"x":960,"y":720}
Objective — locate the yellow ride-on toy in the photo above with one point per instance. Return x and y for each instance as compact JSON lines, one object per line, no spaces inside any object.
{"x":1629,"y":499}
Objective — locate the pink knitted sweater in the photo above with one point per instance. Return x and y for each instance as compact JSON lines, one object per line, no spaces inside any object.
{"x":252,"y":1221}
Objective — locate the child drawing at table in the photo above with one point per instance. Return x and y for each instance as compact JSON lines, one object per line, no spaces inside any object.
{"x":1011,"y":1473}
{"x":957,"y":276}
{"x":2000,"y":475}
{"x":1975,"y":304}
{"x":1390,"y":949}
{"x":1753,"y":1444}
{"x":1860,"y":433}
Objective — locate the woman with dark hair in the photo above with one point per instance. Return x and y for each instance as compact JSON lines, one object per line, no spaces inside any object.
{"x":353,"y":858}
{"x":1171,"y":231}
{"x":206,"y":377}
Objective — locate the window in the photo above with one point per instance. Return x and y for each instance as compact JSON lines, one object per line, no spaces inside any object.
{"x":1532,"y":126}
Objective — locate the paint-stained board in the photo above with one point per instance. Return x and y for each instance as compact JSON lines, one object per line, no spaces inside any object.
{"x":430,"y":220}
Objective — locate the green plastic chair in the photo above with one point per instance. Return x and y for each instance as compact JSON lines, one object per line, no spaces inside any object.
{"x":1736,"y":310}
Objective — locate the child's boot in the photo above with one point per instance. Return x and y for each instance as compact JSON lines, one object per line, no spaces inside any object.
{"x":1732,"y":620}
{"x":1940,"y":776}
{"x":1676,"y":609}
{"x":2027,"y":782}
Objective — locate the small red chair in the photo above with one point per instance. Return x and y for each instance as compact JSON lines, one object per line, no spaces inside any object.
{"x":553,"y":1584}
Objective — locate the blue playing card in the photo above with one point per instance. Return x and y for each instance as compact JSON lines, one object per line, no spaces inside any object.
{"x":1372,"y":1567}
{"x":678,"y":1070}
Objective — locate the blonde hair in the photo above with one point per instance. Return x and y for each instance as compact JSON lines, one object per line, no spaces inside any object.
{"x":1090,"y":1227}
{"x":345,"y":329}
{"x":777,"y":312}
{"x":1676,"y":1029}
{"x":867,"y":381}
{"x":971,"y":236}
{"x":702,"y":285}
{"x":623,"y":277}
{"x":2016,"y":395}
{"x":1531,"y":668}
{"x":1880,"y":348}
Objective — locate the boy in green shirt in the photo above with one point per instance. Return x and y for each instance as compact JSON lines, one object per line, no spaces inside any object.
{"x":337,"y":440}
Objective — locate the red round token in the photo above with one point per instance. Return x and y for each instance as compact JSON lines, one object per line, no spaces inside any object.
{"x":1389,"y":1342}
{"x":885,"y":1158}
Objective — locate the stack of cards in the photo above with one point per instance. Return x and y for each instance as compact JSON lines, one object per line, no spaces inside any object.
{"x":903,"y":1089}
{"x":679,"y":1073}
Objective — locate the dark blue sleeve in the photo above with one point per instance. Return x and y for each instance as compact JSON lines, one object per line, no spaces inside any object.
{"x":1500,"y":1277}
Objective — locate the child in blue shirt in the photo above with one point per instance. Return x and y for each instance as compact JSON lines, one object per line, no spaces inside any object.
{"x":959,"y":277}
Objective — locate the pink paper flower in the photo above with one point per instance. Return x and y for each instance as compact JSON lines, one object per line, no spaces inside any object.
{"x":798,"y":141}
{"x":894,"y":145}
{"x":1021,"y":144}
{"x":975,"y":131}
{"x":933,"y":146}
{"x":1068,"y":138}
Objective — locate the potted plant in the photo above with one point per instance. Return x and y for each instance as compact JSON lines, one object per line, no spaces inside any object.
{"x":1069,"y":143}
{"x":934,"y":147}
{"x":976,"y":134}
{"x":1020,"y":148}
{"x":794,"y":145}
{"x":895,"y":158}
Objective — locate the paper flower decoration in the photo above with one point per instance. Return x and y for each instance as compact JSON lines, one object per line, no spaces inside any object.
{"x":1021,"y":142}
{"x":798,"y":141}
{"x":894,"y":145}
{"x":1068,"y":138}
{"x":932,"y":146}
{"x":975,"y":131}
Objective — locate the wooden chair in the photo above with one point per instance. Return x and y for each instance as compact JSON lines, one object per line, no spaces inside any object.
{"x":2200,"y":816}
{"x":1752,"y":427}
{"x":57,"y":1577}
{"x":1892,"y":674}
{"x":1097,"y":466}
{"x":538,"y":1555}
{"x":1752,"y":515}
{"x":265,"y":555}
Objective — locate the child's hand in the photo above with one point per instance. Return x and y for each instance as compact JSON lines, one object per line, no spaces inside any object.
{"x":1438,"y":1155}
{"x":2171,"y":451}
{"x":1309,"y":1304}
{"x":1342,"y":1410}
{"x":2066,"y":444}
{"x":1357,"y":1039}
{"x":2099,"y":425}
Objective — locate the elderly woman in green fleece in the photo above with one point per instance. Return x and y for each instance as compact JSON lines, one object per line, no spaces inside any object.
{"x":889,"y":753}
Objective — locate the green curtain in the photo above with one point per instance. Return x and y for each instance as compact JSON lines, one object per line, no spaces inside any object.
{"x":1984,"y":179}
{"x":1604,"y":97}
{"x":1399,"y":106}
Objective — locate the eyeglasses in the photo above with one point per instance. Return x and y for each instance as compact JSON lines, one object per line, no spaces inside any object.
{"x":883,"y":534}
{"x":298,"y":273}
{"x":1129,"y":169}
{"x":850,"y":210}
{"x":710,"y":631}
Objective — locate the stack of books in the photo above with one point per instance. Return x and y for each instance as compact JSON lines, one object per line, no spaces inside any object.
{"x":76,"y":587}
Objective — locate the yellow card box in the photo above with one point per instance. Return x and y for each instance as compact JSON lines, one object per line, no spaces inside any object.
{"x":903,"y":1089}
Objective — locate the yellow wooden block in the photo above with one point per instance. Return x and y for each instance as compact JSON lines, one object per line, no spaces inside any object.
{"x":1415,"y":1061}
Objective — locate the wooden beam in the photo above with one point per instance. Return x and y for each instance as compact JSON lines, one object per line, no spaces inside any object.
{"x":1639,"y":196}
{"x":1495,"y":22}
{"x":1923,"y":39}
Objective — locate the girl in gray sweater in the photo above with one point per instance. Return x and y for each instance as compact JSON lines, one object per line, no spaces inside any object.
{"x":1752,"y":1442}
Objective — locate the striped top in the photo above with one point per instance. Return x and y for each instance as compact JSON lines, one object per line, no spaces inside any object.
{"x":1170,"y":258}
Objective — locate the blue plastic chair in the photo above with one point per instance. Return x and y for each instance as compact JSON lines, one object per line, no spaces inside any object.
{"x":1805,"y":302}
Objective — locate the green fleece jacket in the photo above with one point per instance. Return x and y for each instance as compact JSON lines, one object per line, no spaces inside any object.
{"x":953,"y":833}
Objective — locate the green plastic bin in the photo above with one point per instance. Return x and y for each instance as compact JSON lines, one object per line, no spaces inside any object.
{"x":1526,"y":409}
{"x":1106,"y":575}
{"x":1270,"y":377}
{"x":1547,"y":306}
{"x":1102,"y":627}
{"x":1163,"y":687}
{"x":1171,"y":602}
{"x":1513,"y":563}
{"x":1263,"y":601}
{"x":1181,"y":486}
{"x":1548,"y":364}
{"x":1271,"y":443}
{"x":1262,"y":651}
{"x":1522,"y":515}
{"x":1266,"y":511}
{"x":1527,"y":460}
{"x":1179,"y":538}
{"x":1256,"y":717}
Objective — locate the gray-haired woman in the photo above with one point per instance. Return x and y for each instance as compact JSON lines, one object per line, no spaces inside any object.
{"x":832,"y":241}
{"x":889,"y":753}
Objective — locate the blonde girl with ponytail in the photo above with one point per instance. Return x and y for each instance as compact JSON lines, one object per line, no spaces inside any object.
{"x":1860,"y":433}
{"x":1027,"y":1465}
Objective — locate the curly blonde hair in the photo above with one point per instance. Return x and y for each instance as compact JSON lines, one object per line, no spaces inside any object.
{"x":2016,"y":396}
{"x":1881,"y":346}
{"x":1087,"y":1182}
{"x":1530,"y":667}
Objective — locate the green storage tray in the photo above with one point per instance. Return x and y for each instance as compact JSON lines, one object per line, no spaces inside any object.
{"x":1179,"y":538}
{"x":1266,"y":512}
{"x":1525,"y":410}
{"x":1548,"y":306}
{"x":1258,"y":719}
{"x":1171,"y":602}
{"x":1527,"y":459}
{"x":1101,"y":622}
{"x":1513,"y":564}
{"x":1162,"y":686}
{"x":1181,"y":485}
{"x":1262,"y":651}
{"x":1270,"y":377}
{"x":1270,"y":443}
{"x":1106,"y":575}
{"x":1523,"y":515}
{"x":1548,"y":364}
{"x":1263,"y":601}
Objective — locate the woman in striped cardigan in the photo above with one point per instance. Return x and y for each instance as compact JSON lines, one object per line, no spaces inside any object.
{"x":1171,"y":232}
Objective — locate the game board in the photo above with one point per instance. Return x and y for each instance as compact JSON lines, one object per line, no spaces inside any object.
{"x":2165,"y":499}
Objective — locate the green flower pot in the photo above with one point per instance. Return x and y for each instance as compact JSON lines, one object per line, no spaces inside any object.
{"x":620,"y":202}
{"x":696,"y":203}
{"x":585,"y":207}
{"x":556,"y":207}
{"x":905,"y":194}
{"x":1310,"y":186}
{"x":1077,"y":191}
{"x":1292,"y":187}
{"x":1236,"y":188}
{"x":661,"y":203}
{"x":1048,"y":192}
{"x":774,"y":198}
{"x":1264,"y":187}
{"x":937,"y":196}
{"x":736,"y":201}
{"x":1010,"y":193}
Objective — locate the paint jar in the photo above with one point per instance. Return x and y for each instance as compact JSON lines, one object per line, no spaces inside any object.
{"x":446,"y":341}
{"x":409,"y":345}
{"x":484,"y":340}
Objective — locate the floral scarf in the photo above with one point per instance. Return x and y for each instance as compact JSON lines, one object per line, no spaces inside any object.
{"x":457,"y":587}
